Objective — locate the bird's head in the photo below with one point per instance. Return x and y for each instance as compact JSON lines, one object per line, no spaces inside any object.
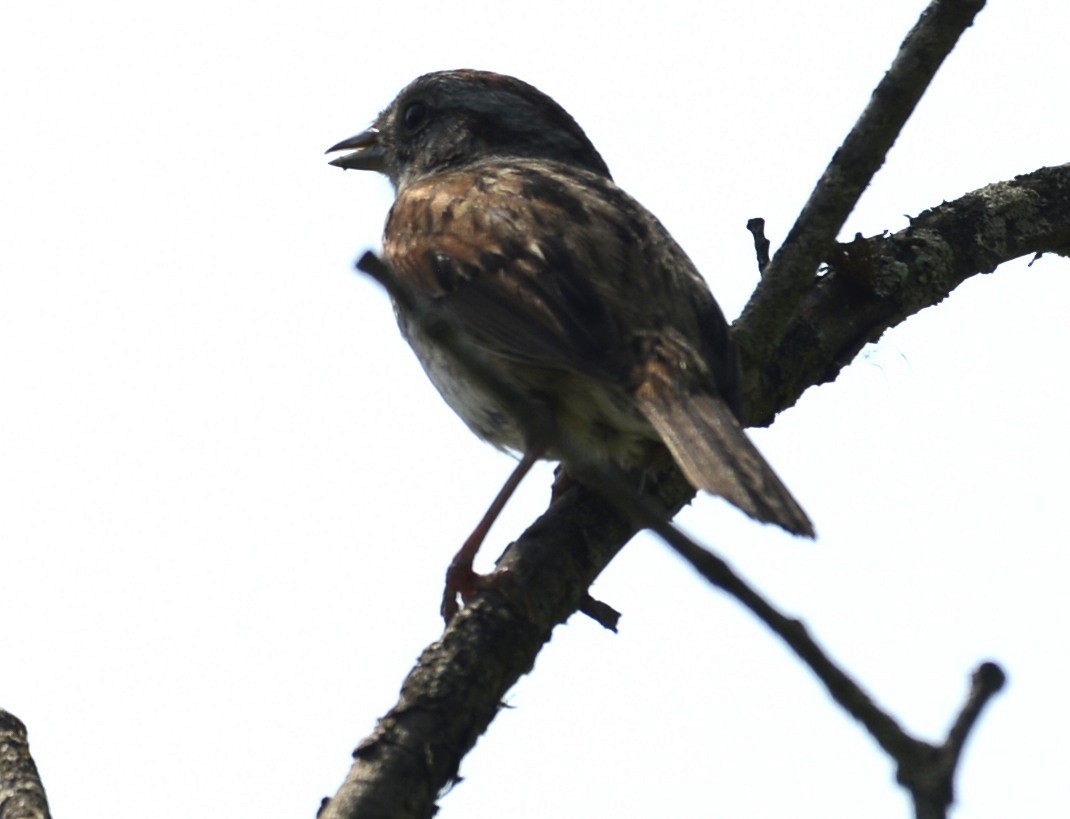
{"x":450,"y":119}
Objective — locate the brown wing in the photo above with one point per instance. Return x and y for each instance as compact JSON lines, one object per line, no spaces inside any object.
{"x":503,"y":251}
{"x":557,"y":268}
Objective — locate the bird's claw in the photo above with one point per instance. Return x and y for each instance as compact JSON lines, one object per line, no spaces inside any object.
{"x":463,"y":581}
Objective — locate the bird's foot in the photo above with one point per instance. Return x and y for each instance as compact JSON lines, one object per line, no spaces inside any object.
{"x":463,"y":581}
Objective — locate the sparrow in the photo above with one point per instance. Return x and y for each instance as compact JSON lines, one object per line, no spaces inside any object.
{"x":507,"y":221}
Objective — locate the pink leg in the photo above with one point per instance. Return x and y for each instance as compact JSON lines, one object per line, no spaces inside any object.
{"x":460,"y":577}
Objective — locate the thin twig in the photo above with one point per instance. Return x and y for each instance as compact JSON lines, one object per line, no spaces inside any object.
{"x":602,"y":613}
{"x":928,"y":771}
{"x":756,"y":227}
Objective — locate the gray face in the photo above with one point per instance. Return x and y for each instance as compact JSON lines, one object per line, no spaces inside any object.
{"x":449,"y":119}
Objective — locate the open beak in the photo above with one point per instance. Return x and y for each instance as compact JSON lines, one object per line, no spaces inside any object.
{"x":366,"y":152}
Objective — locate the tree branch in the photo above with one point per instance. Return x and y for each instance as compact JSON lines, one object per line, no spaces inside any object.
{"x":928,"y":771}
{"x":766,"y":318}
{"x":874,"y":284}
{"x":22,"y":796}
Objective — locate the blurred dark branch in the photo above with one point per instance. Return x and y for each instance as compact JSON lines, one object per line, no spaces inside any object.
{"x":767,"y":317}
{"x":928,"y":771}
{"x":22,"y":796}
{"x":456,"y":688}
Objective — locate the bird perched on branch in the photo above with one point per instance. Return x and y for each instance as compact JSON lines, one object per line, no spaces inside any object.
{"x":507,"y":221}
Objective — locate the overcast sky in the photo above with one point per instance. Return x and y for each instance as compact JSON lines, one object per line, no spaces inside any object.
{"x":228,"y":494}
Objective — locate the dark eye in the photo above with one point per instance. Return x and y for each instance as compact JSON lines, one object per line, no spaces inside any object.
{"x":415,"y":115}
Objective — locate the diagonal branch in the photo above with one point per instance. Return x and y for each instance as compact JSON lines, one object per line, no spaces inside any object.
{"x":925,"y":770}
{"x":766,"y":317}
{"x":22,"y":796}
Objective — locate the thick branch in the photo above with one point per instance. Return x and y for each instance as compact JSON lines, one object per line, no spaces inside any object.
{"x":874,"y":284}
{"x":22,"y":796}
{"x":767,"y":316}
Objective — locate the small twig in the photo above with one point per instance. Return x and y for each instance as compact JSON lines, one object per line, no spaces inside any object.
{"x":987,"y":681}
{"x":928,"y":771}
{"x":602,"y":613}
{"x":851,"y":169}
{"x":761,"y":245}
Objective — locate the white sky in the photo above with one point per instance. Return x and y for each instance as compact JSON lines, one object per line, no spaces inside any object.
{"x":228,"y":495}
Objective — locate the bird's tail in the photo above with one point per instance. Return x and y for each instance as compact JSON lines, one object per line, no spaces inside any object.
{"x":714,"y":453}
